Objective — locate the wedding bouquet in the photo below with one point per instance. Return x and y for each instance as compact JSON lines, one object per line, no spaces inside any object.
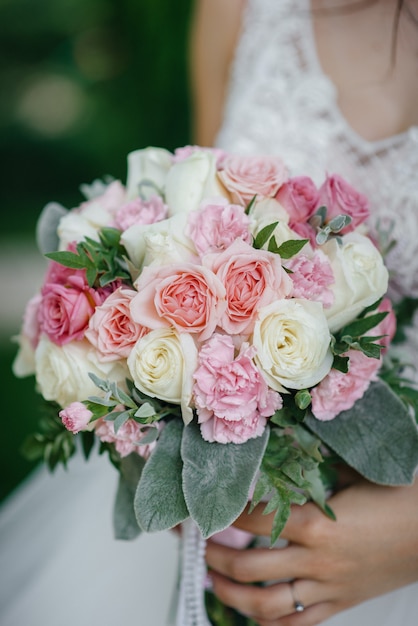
{"x":220,"y":328}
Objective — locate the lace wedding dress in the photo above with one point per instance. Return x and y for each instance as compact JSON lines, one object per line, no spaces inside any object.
{"x":59,"y":563}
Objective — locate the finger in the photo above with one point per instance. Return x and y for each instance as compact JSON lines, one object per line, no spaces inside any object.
{"x":266,"y":603}
{"x":312,"y":616}
{"x":258,"y":564}
{"x":259,"y":524}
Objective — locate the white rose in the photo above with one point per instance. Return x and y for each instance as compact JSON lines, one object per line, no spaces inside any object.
{"x":266,"y":212}
{"x":24,"y":363}
{"x":163,"y":242}
{"x":62,"y":371}
{"x":361,"y":278}
{"x":147,"y":171}
{"x":162,"y":364}
{"x":192,"y":180}
{"x":75,"y":227}
{"x":293,"y":344}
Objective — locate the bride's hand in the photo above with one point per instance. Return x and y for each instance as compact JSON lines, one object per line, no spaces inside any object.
{"x":371,"y":549}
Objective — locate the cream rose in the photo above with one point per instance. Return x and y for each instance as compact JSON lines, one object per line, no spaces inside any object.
{"x":147,"y":171}
{"x":192,"y":180}
{"x":62,"y":371}
{"x":161,"y":243}
{"x":293,"y":344}
{"x":162,"y":365}
{"x":268,"y":211}
{"x":361,"y":278}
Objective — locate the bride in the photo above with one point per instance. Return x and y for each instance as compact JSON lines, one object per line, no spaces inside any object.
{"x":332,"y":86}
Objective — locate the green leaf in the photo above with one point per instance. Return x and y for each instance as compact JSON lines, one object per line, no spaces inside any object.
{"x":377,"y":437}
{"x":250,"y":205}
{"x":145,"y":410}
{"x":87,"y":442}
{"x":339,"y":222}
{"x":217,"y":477}
{"x":291,"y":247}
{"x":125,"y":525}
{"x":362,"y":325}
{"x":303,"y":399}
{"x":121,"y":419}
{"x":264,"y":235}
{"x":68,"y":259}
{"x":340,"y":363}
{"x":159,"y":502}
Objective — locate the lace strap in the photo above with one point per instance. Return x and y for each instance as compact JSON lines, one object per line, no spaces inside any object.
{"x":191,"y":603}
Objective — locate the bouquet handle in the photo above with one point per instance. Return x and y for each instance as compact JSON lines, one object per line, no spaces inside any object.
{"x":191,"y":601}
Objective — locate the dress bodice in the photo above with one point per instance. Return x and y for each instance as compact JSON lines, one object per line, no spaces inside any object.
{"x":280,"y":101}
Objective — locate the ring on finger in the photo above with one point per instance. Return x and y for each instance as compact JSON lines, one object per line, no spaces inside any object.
{"x":298,"y":605}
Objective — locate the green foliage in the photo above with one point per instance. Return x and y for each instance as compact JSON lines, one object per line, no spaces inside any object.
{"x":221,"y":615}
{"x":352,"y":336}
{"x":377,"y":436}
{"x":286,"y":250}
{"x":53,"y":443}
{"x":103,"y":260}
{"x":124,"y":520}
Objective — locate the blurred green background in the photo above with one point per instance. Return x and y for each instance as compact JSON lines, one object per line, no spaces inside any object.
{"x":83,"y":82}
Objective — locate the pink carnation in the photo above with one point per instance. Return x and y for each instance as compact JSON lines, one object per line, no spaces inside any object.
{"x":217,"y":224}
{"x":312,"y":277}
{"x":340,"y":198}
{"x":140,"y":212}
{"x":31,"y":326}
{"x":338,"y":392}
{"x":126,"y":440}
{"x":252,"y":279}
{"x":112,"y":197}
{"x":299,"y":196}
{"x":232,"y":398}
{"x":247,"y":176}
{"x":75,"y":417}
{"x":112,"y":330}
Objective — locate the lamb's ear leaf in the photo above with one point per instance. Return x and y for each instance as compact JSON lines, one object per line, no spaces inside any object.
{"x":159,"y":502}
{"x":377,"y":436}
{"x":125,"y":525}
{"x":217,"y":477}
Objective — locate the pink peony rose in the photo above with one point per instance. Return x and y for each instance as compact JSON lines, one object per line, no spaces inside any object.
{"x":312,"y":277}
{"x":299,"y":196}
{"x":217,"y":224}
{"x":140,"y":212}
{"x":252,"y":279}
{"x":247,"y":176}
{"x":64,"y":312}
{"x":112,"y":330}
{"x":31,"y":327}
{"x":189,"y":297}
{"x":232,"y":398}
{"x":342,"y":199}
{"x":75,"y":417}
{"x":126,"y":440}
{"x":338,"y":392}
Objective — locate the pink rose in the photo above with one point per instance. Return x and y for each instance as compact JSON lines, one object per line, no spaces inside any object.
{"x":342,"y":199}
{"x":189,"y":297}
{"x":75,"y":417}
{"x":127,"y":439}
{"x":252,"y":279}
{"x":299,"y":196}
{"x":338,"y":392}
{"x":247,"y":176}
{"x":112,"y":330}
{"x":217,"y":224}
{"x":64,"y":312}
{"x":31,"y":326}
{"x":180,"y":154}
{"x":312,"y":277}
{"x":232,"y":399}
{"x":140,"y":212}
{"x":107,"y":203}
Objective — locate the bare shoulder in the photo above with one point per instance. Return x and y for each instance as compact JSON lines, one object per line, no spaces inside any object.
{"x":215,"y":30}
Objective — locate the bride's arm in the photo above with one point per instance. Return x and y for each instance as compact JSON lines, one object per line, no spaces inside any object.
{"x":370,"y":550}
{"x":214,"y":33}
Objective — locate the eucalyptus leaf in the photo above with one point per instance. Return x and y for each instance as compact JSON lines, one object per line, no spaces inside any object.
{"x":159,"y":502}
{"x":145,"y":410}
{"x":217,"y":477}
{"x":125,"y":525}
{"x":377,"y":437}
